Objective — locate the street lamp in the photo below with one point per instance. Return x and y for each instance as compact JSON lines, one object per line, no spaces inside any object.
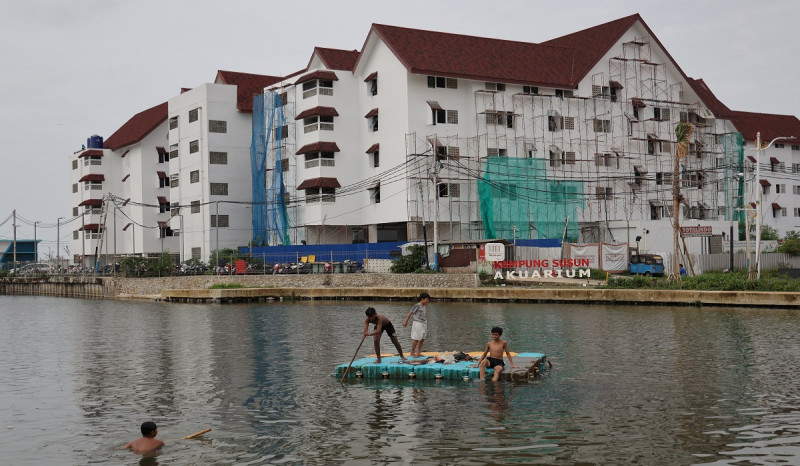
{"x":58,"y":244}
{"x":760,"y":149}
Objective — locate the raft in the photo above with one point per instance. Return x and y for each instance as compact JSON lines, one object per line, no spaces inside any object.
{"x":529,"y":366}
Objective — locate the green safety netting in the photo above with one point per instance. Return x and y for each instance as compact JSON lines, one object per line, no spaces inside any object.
{"x":518,"y":201}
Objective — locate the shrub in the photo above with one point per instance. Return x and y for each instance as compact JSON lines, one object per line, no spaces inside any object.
{"x":411,"y":263}
{"x":225,"y":286}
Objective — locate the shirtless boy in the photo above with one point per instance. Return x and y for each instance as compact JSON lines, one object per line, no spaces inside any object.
{"x":148,"y":441}
{"x":495,"y":349}
{"x":382,"y":323}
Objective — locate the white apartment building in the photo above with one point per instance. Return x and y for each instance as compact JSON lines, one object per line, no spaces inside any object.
{"x":589,"y":117}
{"x":210,"y":179}
{"x":119,"y":194}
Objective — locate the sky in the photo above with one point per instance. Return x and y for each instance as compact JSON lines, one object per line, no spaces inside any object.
{"x":71,"y":69}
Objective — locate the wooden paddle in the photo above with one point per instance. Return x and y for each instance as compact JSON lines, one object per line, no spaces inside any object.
{"x":197,"y":434}
{"x":354,"y":358}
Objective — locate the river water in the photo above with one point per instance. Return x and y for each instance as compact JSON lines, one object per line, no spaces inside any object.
{"x":652,"y":385}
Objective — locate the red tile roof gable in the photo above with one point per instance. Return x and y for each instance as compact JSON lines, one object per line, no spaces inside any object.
{"x":247,"y":85}
{"x":139,"y":126}
{"x":470,"y":57}
{"x":336,"y":59}
{"x":770,"y":125}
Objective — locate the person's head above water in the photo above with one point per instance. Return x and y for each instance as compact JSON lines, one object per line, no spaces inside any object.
{"x":149,"y":429}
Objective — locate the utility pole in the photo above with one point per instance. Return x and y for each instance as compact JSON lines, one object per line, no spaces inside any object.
{"x":216,"y":266}
{"x":58,"y":244}
{"x":15,"y":242}
{"x":435,"y":210}
{"x":83,"y":239}
{"x":35,"y":245}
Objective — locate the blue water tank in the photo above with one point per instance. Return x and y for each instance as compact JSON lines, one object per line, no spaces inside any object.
{"x":94,"y":142}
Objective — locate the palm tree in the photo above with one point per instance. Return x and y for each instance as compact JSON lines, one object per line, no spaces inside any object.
{"x":682,"y":134}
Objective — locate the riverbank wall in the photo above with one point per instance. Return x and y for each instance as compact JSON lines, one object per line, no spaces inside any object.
{"x":378,"y":287}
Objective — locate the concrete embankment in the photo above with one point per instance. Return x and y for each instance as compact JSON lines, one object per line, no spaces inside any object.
{"x":362,"y":286}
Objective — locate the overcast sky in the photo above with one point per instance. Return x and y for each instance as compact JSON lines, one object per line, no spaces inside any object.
{"x":75,"y":68}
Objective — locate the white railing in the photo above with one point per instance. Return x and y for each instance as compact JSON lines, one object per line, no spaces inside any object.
{"x":315,"y":198}
{"x":326,"y":126}
{"x":309,"y":93}
{"x":326,"y":91}
{"x":311,"y":128}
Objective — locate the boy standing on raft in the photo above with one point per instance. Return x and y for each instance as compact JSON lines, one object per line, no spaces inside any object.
{"x":381,"y":323}
{"x":148,"y":441}
{"x":495,"y":349}
{"x":419,"y":327}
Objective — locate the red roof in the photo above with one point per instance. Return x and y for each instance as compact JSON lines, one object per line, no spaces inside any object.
{"x":770,"y":125}
{"x":162,"y":174}
{"x":162,"y":200}
{"x":247,"y":85}
{"x":712,"y":102}
{"x":317,"y":111}
{"x":318,"y":147}
{"x":588,"y":46}
{"x":320,"y":183}
{"x":774,"y":160}
{"x":336,"y":59}
{"x":765,"y":182}
{"x":775,"y":205}
{"x":460,"y":56}
{"x":372,"y":76}
{"x":95,"y":177}
{"x":90,"y":227}
{"x":371,"y":113}
{"x":319,"y":74}
{"x":91,"y":202}
{"x":92,"y":153}
{"x":139,"y":126}
{"x":374,"y":148}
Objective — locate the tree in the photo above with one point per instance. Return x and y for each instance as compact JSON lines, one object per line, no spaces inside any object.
{"x":790,"y":244}
{"x":682,"y":134}
{"x":769,"y":233}
{"x":410,"y":263}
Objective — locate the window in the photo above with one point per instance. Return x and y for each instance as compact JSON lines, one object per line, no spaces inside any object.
{"x":194,"y":176}
{"x":93,"y":185}
{"x":316,"y":159}
{"x":530,"y":90}
{"x":163,"y":182}
{"x":661,"y":113}
{"x":601,"y":91}
{"x":173,"y":180}
{"x":783,"y":211}
{"x":218,"y":158}
{"x":314,"y":123}
{"x":780,"y":188}
{"x":495,"y":152}
{"x":500,"y":118}
{"x":561,"y":93}
{"x":217,"y":126}
{"x":569,"y":158}
{"x":176,"y":207}
{"x":495,"y":86}
{"x":219,"y":189}
{"x":603,"y":160}
{"x":554,"y":123}
{"x":283,"y":133}
{"x":373,"y":123}
{"x":796,"y":168}
{"x":373,"y":87}
{"x":173,"y":122}
{"x":448,"y":190}
{"x":797,"y":212}
{"x":194,"y":146}
{"x":602,"y":126}
{"x":556,"y":158}
{"x":314,"y":195}
{"x":440,"y":116}
{"x":75,"y":164}
{"x":195,"y":208}
{"x":196,"y":253}
{"x":375,"y":197}
{"x":376,"y":161}
{"x":285,"y":164}
{"x":76,"y":235}
{"x":193,"y":115}
{"x":779,"y":146}
{"x":664,"y":178}
{"x":568,"y":122}
{"x":438,"y":81}
{"x":173,"y":151}
{"x":317,"y":86}
{"x":765,"y":189}
{"x":222,"y":223}
{"x":75,"y":212}
{"x":795,"y":146}
{"x":75,"y":188}
{"x":163,"y":207}
{"x":604,"y":192}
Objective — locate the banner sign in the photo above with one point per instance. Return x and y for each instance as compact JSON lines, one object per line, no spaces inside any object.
{"x":695,"y":231}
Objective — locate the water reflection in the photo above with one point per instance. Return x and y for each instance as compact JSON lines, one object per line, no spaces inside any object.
{"x":654,"y":386}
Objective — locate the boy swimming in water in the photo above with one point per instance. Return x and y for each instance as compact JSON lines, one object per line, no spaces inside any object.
{"x":148,"y":441}
{"x":495,"y":349}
